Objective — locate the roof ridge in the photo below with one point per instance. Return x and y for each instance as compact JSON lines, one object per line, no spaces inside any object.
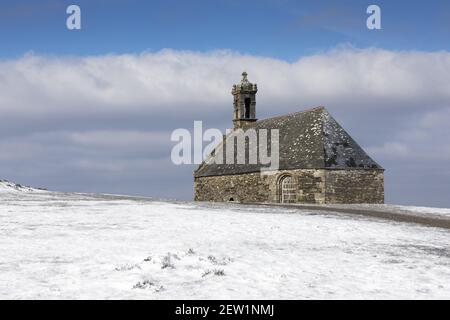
{"x":293,"y":113}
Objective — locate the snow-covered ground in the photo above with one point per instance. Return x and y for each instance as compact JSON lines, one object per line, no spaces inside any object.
{"x":11,"y":187}
{"x":55,"y":245}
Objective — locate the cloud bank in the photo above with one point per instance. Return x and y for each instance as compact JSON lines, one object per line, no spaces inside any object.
{"x":103,"y":123}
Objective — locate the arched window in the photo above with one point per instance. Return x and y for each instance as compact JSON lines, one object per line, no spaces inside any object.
{"x":247,"y":103}
{"x":288,"y":190}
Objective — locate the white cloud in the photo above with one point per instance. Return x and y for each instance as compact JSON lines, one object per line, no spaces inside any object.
{"x":436,"y":118}
{"x":121,"y":139}
{"x":184,"y":82}
{"x":390,"y":149}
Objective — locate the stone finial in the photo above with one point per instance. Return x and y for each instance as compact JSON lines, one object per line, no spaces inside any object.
{"x":244,"y":77}
{"x":244,"y":84}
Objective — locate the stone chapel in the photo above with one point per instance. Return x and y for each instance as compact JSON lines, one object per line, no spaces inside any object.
{"x":319,"y":162}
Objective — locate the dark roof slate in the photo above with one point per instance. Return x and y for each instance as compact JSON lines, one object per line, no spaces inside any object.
{"x":310,"y":139}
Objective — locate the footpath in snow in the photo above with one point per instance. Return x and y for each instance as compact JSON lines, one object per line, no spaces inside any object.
{"x":431,"y":217}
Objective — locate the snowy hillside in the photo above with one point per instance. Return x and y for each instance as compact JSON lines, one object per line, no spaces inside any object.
{"x":7,"y":187}
{"x":86,"y":246}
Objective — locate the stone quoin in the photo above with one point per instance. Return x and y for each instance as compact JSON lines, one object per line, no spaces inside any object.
{"x":318,"y":161}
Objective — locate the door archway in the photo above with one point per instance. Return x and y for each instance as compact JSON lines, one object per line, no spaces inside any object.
{"x":288,"y":190}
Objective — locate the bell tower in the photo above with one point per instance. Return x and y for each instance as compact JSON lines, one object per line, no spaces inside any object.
{"x":244,"y":102}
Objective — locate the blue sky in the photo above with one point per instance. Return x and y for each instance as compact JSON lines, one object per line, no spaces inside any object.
{"x":92,"y":110}
{"x":283,"y":29}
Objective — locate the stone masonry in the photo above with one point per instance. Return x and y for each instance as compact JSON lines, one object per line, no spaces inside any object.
{"x":313,"y":186}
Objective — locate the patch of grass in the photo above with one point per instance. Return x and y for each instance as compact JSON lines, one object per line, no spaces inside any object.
{"x":219,"y":272}
{"x":221,"y":262}
{"x":148,"y":284}
{"x":127,"y":267}
{"x":212,"y":259}
{"x":216,"y":272}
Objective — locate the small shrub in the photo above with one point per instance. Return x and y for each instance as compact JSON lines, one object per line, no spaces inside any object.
{"x":219,"y":272}
{"x":166,"y":262}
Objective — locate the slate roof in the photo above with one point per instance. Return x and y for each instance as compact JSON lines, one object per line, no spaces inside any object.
{"x":309,"y":139}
